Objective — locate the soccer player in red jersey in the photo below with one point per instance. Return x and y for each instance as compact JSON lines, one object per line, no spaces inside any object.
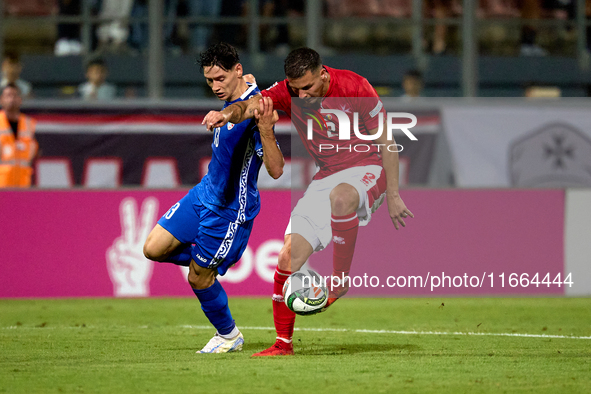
{"x":349,"y":184}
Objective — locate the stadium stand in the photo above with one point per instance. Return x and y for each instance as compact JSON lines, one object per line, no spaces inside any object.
{"x":380,"y":30}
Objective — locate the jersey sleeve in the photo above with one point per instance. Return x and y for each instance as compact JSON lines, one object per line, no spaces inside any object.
{"x":371,"y":105}
{"x":280,"y":96}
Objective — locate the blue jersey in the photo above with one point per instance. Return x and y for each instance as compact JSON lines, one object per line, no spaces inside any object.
{"x":230,"y":187}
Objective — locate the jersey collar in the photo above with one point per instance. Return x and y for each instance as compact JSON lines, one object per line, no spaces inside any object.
{"x":251,"y":88}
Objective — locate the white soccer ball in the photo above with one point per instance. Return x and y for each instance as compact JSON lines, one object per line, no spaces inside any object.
{"x":305,"y":292}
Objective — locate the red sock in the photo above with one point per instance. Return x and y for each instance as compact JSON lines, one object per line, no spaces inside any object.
{"x":283,"y":318}
{"x":344,"y":236}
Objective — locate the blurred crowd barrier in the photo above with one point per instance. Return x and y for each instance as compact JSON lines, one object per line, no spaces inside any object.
{"x":526,"y":27}
{"x":460,"y":143}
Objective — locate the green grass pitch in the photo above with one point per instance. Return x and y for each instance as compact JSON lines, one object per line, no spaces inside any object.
{"x":148,"y":346}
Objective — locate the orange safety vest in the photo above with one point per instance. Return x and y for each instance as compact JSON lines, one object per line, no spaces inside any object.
{"x":16,"y":154}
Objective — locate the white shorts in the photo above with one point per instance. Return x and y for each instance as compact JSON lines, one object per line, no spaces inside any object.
{"x":311,"y":216}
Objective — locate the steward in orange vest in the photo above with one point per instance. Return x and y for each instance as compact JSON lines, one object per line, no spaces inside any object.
{"x":17,"y":149}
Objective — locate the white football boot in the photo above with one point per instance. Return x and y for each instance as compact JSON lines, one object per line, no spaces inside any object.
{"x":219,"y":344}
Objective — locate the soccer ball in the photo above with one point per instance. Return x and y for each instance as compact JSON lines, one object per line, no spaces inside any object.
{"x":305,"y":292}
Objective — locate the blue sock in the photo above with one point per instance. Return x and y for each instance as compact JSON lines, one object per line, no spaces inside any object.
{"x":214,"y":303}
{"x":181,"y":255}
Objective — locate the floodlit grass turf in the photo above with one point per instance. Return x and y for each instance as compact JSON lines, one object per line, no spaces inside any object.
{"x":143,"y":345}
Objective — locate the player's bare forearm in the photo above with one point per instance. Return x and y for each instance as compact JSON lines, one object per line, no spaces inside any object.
{"x":390,"y":161}
{"x":238,"y":112}
{"x":235,"y":113}
{"x":266,"y":118}
{"x":272,"y":156}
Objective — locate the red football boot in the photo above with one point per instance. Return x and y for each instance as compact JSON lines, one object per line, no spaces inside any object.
{"x":280,"y":348}
{"x":334,"y":295}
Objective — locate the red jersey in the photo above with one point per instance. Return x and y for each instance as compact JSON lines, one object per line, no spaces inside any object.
{"x":330,"y":153}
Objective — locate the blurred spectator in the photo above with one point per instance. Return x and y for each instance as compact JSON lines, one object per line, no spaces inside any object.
{"x":138,"y":37}
{"x":11,"y":71}
{"x":561,"y":9}
{"x":17,"y":139}
{"x":96,"y":88}
{"x":234,"y":35}
{"x":498,"y":9}
{"x":68,"y":34}
{"x":437,"y":9}
{"x":278,"y":35}
{"x":530,"y":9}
{"x":346,"y":8}
{"x":396,"y":8}
{"x":201,"y":33}
{"x":441,"y":9}
{"x":412,"y":84}
{"x":113,"y":33}
{"x":29,"y":7}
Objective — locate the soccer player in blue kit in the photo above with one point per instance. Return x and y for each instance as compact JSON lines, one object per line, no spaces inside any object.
{"x":208,"y":229}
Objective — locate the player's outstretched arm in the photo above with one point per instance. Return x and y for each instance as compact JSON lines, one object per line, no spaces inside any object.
{"x":234,"y":113}
{"x":266,"y":118}
{"x":396,"y":207}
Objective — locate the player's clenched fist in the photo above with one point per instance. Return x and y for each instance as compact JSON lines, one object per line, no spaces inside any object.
{"x":265,"y":116}
{"x":215,"y":119}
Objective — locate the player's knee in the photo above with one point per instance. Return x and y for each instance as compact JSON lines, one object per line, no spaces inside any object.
{"x":285,"y":258}
{"x":343,"y":200}
{"x":200,"y":278}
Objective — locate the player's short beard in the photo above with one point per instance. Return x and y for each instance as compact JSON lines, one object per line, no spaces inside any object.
{"x":312,"y":102}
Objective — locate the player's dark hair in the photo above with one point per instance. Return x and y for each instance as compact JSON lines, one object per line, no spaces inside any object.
{"x":12,"y":57}
{"x":414,"y":74}
{"x":299,"y":61}
{"x":223,"y":55}
{"x":96,"y":62}
{"x":11,"y":85}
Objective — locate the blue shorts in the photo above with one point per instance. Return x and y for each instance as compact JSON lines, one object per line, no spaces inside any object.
{"x":219,"y":242}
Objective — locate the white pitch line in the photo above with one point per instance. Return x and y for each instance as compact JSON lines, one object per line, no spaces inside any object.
{"x":362,"y":331}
